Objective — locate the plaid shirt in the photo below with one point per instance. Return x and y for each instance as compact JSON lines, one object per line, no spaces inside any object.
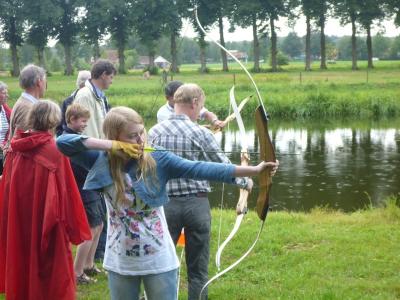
{"x":180,"y":134}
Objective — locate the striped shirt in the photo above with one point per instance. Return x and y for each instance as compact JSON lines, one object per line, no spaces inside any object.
{"x":180,"y":134}
{"x":3,"y":127}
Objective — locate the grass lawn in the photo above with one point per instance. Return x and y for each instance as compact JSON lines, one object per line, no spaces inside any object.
{"x":320,"y":255}
{"x":292,"y":93}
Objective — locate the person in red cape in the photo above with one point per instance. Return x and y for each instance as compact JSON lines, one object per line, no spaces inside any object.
{"x":41,"y":213}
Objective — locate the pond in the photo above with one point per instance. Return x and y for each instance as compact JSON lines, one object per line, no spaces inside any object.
{"x":341,"y":165}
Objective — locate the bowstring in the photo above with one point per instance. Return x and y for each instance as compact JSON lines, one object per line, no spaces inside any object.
{"x":222,"y":200}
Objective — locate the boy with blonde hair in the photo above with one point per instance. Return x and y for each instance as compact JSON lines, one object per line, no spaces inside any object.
{"x":77,"y":117}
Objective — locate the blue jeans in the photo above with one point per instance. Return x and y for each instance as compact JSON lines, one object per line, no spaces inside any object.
{"x":161,"y":286}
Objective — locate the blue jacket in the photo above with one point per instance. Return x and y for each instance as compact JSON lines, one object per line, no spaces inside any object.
{"x":168,"y":164}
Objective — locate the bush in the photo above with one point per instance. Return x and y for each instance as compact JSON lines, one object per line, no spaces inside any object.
{"x":152,"y":70}
{"x":81,"y":64}
{"x":281,"y":59}
{"x":55,"y":65}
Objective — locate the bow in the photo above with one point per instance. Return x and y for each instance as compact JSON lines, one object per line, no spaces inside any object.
{"x":241,"y":207}
{"x":267,"y":153}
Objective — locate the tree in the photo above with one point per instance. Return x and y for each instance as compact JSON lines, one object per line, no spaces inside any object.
{"x":347,"y":11}
{"x":93,"y":25}
{"x":275,"y":9}
{"x":393,"y":6}
{"x":249,"y":13}
{"x":344,"y":45}
{"x":11,"y":19}
{"x":381,"y":46}
{"x":370,"y":11}
{"x":320,"y":13}
{"x":66,"y":28}
{"x":307,"y":9}
{"x":120,"y":24}
{"x":39,"y":22}
{"x":173,"y":26}
{"x":394,"y":52}
{"x":292,"y":45}
{"x":150,"y":20}
{"x":207,"y":16}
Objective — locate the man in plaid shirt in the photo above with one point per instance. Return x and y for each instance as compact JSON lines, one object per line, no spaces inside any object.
{"x":189,"y":207}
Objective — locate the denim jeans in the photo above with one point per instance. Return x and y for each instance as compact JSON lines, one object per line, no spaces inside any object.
{"x":193,"y":214}
{"x":161,"y":286}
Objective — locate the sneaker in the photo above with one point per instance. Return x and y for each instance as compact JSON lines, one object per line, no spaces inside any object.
{"x":84,"y":279}
{"x":93,"y":271}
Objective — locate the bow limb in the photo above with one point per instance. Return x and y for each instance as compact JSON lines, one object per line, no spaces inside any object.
{"x":241,"y":207}
{"x":232,"y":116}
{"x":266,"y":148}
{"x":219,"y":274}
{"x":231,"y":55}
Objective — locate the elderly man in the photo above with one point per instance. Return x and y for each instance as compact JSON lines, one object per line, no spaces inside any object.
{"x":189,"y":207}
{"x":33,"y":81}
{"x":167,"y":110}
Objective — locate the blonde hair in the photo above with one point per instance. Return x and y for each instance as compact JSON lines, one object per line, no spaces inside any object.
{"x":45,"y":115}
{"x":187,"y":92}
{"x":114,"y":123}
{"x":76,"y":111}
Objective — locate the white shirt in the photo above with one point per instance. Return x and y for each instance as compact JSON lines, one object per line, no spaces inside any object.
{"x":29,"y":97}
{"x":166,"y":111}
{"x":138,"y":240}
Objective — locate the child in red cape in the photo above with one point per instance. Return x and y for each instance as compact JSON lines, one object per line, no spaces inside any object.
{"x":41,"y":213}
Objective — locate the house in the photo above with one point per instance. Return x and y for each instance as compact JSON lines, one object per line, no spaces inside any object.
{"x":162,"y":63}
{"x":240,"y":55}
{"x":112,"y":56}
{"x":143,"y":62}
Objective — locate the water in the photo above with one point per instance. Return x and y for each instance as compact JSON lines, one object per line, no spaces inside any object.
{"x":342,"y":165}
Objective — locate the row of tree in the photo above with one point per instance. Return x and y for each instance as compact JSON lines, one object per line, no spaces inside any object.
{"x":290,"y":48}
{"x":70,"y":21}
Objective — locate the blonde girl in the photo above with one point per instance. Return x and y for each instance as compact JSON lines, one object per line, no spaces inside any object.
{"x":139,"y":246}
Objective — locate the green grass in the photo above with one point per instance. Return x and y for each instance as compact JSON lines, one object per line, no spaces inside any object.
{"x":337,"y":92}
{"x":324,"y":254}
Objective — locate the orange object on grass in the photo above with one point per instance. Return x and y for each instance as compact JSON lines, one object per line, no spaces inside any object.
{"x":181,"y":240}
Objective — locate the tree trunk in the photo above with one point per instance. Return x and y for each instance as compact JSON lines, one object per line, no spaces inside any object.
{"x":274,"y":51}
{"x":68,"y":60}
{"x":40,"y":53}
{"x":121,"y":59}
{"x":203,"y":63}
{"x":353,"y":44}
{"x":151,"y":58}
{"x":222,"y":41}
{"x":369,"y":47}
{"x":256,"y":45}
{"x":96,"y":50}
{"x":174,"y":53}
{"x":322,"y":43}
{"x":15,"y":60}
{"x":308,"y":45}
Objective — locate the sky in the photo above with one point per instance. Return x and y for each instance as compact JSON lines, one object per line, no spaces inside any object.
{"x":333,"y":27}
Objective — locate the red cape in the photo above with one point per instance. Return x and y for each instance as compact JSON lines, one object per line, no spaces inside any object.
{"x":41,"y":212}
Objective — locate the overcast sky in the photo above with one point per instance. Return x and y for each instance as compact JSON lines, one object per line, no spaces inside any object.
{"x":333,"y":27}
